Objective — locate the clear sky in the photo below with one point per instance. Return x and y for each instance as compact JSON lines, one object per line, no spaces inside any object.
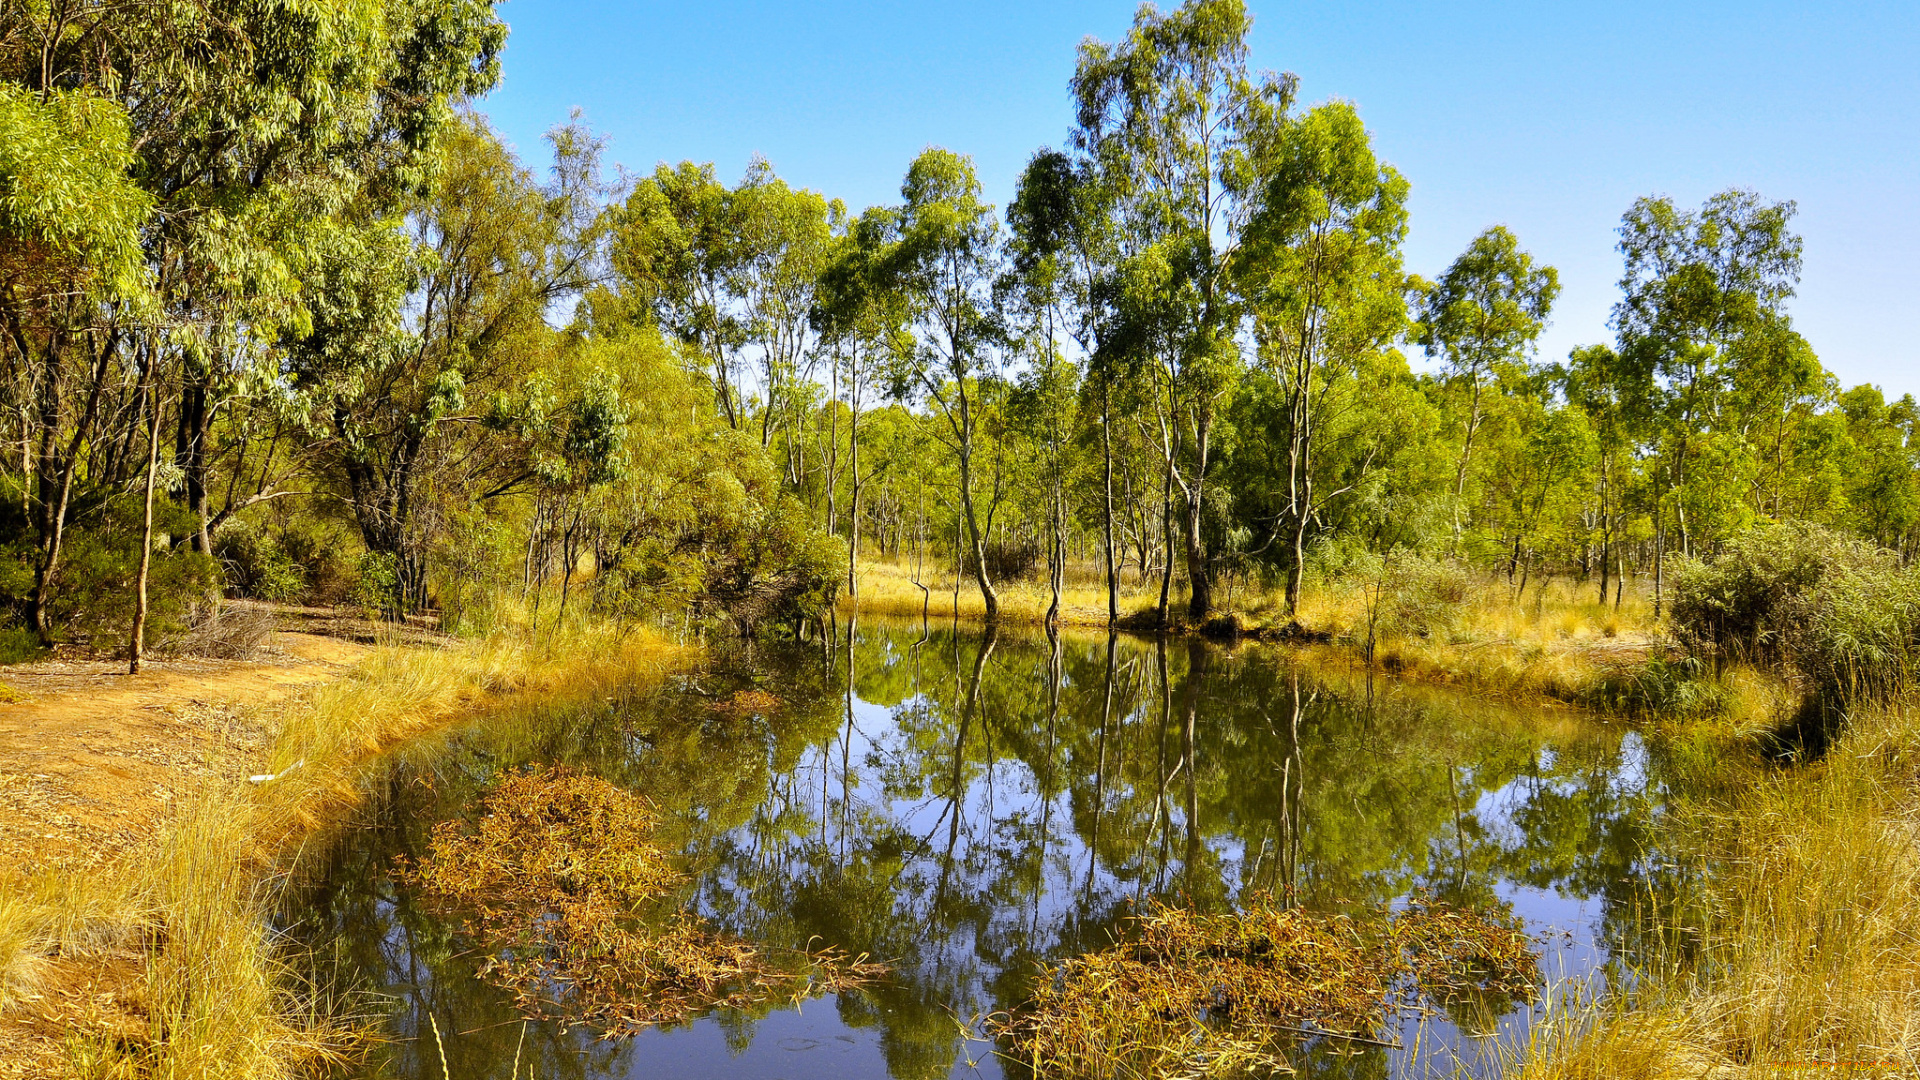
{"x":1548,"y":117}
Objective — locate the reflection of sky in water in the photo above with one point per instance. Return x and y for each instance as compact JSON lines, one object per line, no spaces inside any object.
{"x":966,"y":892}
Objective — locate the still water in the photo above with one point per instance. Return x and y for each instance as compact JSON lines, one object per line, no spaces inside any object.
{"x":966,"y":806}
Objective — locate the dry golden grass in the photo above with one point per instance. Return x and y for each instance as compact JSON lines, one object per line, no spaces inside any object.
{"x":887,"y":588}
{"x":1552,"y":642}
{"x":1808,"y":957}
{"x":190,"y":909}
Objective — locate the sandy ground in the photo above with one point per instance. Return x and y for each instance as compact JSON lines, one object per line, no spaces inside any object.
{"x":92,"y":758}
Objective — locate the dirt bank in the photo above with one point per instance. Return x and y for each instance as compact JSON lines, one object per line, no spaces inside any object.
{"x":91,"y":761}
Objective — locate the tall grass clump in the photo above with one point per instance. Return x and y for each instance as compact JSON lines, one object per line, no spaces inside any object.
{"x":1791,"y":949}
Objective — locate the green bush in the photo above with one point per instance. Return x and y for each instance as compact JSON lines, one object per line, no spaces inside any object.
{"x":95,"y":586}
{"x":473,"y":569}
{"x":256,"y":565}
{"x":1660,"y":687}
{"x":1839,"y":615}
{"x":376,"y":590}
{"x":1408,"y":595}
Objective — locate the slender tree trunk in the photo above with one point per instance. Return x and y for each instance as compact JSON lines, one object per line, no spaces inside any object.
{"x":853,"y":523}
{"x":136,"y":645}
{"x":190,"y":450}
{"x":976,"y":543}
{"x":1166,"y":538}
{"x":1199,"y":565}
{"x":1659,"y":559}
{"x":49,"y":563}
{"x":833,"y":458}
{"x":1106,"y":453}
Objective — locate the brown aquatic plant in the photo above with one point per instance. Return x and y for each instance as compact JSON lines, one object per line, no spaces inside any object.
{"x":1196,"y":994}
{"x":560,"y":881}
{"x":752,"y":702}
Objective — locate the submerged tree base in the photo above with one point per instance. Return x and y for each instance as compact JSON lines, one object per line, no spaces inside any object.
{"x":554,"y":882}
{"x":1220,"y":995}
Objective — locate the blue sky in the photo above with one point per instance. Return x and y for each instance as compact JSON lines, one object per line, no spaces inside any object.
{"x":1549,"y":118}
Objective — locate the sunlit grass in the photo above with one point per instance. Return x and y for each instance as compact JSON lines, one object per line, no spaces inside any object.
{"x":219,"y":998}
{"x":1553,"y":641}
{"x":1804,"y":950}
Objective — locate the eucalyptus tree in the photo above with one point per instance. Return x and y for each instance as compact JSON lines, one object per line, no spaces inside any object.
{"x":1482,"y":318}
{"x":72,"y":279}
{"x":1174,"y":124}
{"x":784,"y":239}
{"x":1596,"y":381}
{"x":673,"y":252}
{"x":861,"y":321}
{"x":1064,"y":254}
{"x":250,"y":126}
{"x":1329,"y":293}
{"x":1702,"y":317}
{"x":944,"y":261}
{"x":400,"y":390}
{"x":727,"y":270}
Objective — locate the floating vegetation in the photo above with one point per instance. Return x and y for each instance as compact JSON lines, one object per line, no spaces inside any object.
{"x":752,"y":702}
{"x":1194,"y":994}
{"x":560,"y":881}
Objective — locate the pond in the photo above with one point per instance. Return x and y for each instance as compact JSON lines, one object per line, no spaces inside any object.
{"x":966,"y":806}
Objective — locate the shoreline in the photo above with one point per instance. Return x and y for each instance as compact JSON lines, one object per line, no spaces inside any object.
{"x":111,"y":951}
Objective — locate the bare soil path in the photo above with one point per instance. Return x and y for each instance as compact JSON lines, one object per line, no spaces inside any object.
{"x":90,"y":757}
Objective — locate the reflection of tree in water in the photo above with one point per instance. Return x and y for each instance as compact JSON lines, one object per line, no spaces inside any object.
{"x":965,"y":806}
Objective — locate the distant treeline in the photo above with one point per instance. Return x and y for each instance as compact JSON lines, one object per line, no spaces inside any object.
{"x":281,"y":315}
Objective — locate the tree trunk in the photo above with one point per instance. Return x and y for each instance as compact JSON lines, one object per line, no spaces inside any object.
{"x":1106,"y":452}
{"x":1166,"y":538}
{"x":1199,"y":565}
{"x":49,"y":562}
{"x":137,"y":643}
{"x":853,"y":523}
{"x":190,"y":452}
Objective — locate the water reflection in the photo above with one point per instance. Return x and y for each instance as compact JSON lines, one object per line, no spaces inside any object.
{"x":967,"y":805}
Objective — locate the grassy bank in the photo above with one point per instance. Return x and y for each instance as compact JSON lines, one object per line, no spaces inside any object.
{"x":201,"y":990}
{"x":1792,"y":949}
{"x":1555,"y":641}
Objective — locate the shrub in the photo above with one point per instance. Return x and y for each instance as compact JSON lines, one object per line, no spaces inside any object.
{"x":256,"y":565}
{"x":319,"y":550}
{"x":1659,"y":687}
{"x":1838,"y":614}
{"x":1409,"y":595}
{"x":377,"y":586}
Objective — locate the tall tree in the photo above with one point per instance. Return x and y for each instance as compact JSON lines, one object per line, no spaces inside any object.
{"x":1482,"y":319}
{"x":1703,"y":310}
{"x":1328,"y":284}
{"x":861,"y":320}
{"x":1174,"y":121}
{"x":946,"y":260}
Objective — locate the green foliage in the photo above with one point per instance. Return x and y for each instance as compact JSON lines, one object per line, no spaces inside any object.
{"x":376,"y":587}
{"x":65,"y":196}
{"x":255,"y":565}
{"x":96,"y":595}
{"x":1659,"y":688}
{"x":19,"y":646}
{"x":1840,"y":613}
